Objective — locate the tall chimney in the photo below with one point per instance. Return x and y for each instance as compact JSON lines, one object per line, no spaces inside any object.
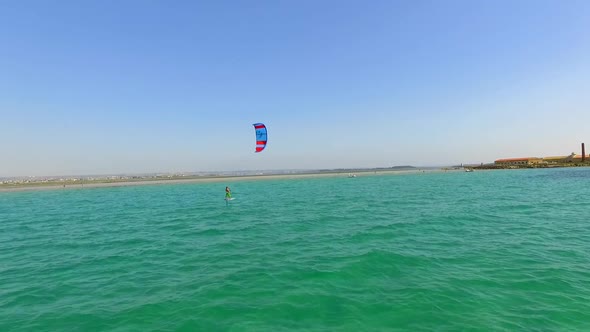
{"x":583,"y":153}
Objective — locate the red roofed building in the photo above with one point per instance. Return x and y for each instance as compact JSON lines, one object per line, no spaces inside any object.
{"x":572,"y":158}
{"x":578,"y":158}
{"x":518,"y":161}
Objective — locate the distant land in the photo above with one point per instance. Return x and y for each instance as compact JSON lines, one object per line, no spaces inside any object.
{"x":40,"y":182}
{"x":29,"y":183}
{"x":394,"y":168}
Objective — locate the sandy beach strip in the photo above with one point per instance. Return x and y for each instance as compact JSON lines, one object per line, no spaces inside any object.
{"x":208,"y":179}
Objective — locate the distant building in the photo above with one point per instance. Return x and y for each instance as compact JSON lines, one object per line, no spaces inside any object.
{"x":578,"y":158}
{"x":534,"y":161}
{"x":518,"y":161}
{"x":572,"y":158}
{"x":555,"y":159}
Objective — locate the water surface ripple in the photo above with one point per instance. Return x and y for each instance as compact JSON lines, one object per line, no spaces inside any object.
{"x":494,"y":251}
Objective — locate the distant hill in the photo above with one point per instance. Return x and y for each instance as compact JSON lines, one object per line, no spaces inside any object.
{"x":393,"y":168}
{"x":402,"y":168}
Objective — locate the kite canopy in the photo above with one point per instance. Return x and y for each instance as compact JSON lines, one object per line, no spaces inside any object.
{"x":261,"y":136}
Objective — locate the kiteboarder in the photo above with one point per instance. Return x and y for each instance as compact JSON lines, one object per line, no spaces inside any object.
{"x":227,"y":193}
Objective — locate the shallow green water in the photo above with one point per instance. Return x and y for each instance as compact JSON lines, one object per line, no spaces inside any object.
{"x":489,"y":251}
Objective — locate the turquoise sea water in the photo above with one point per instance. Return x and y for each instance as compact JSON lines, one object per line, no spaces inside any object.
{"x":481,"y":251}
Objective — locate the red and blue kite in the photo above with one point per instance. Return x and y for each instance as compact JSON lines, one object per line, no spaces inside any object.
{"x":261,"y":136}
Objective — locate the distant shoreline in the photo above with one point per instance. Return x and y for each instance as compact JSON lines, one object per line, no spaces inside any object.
{"x":205,"y":179}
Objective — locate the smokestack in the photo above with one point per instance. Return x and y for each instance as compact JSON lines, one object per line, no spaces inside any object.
{"x":583,"y":153}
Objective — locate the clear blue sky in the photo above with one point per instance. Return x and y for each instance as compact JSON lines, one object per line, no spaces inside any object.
{"x":93,"y":87}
